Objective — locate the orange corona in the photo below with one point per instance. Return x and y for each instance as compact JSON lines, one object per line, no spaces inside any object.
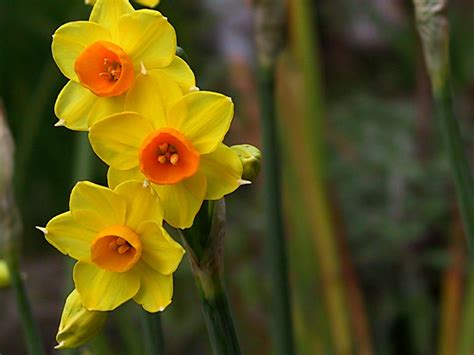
{"x":116,"y":248}
{"x":167,"y":157}
{"x":105,"y":69}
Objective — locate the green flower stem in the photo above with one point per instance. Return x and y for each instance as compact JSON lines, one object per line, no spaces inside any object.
{"x":154,"y":342}
{"x":30,"y":328}
{"x":460,"y":168}
{"x":204,"y":246}
{"x":10,"y":233}
{"x":433,"y":28}
{"x":466,"y":339}
{"x":270,"y":25}
{"x":83,"y":159}
{"x":310,"y":166}
{"x":276,"y":243}
{"x":215,"y":306}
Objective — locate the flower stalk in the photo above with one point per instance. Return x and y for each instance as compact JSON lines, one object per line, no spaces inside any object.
{"x":204,"y":245}
{"x":270,"y":17}
{"x":154,"y":342}
{"x":432,"y":25}
{"x":10,"y":231}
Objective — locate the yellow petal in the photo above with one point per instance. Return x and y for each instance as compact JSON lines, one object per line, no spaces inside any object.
{"x":203,"y":117}
{"x":160,"y":251}
{"x":73,"y":105}
{"x":108,"y":12}
{"x":152,"y":96}
{"x":104,"y":107}
{"x":223,"y":171}
{"x":148,"y":38}
{"x":149,"y":3}
{"x":117,"y":139}
{"x":181,"y":201}
{"x":156,"y":290}
{"x":180,"y":72}
{"x":96,"y":207}
{"x":70,"y":238}
{"x":115,"y":177}
{"x":142,"y":204}
{"x":103,"y":290}
{"x":71,"y":39}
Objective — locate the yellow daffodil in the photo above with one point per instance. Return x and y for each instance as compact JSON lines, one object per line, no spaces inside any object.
{"x":123,"y":252}
{"x":149,"y":3}
{"x":103,"y":57}
{"x":174,"y":143}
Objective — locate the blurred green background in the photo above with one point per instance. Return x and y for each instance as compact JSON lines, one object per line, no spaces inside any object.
{"x":403,"y":266}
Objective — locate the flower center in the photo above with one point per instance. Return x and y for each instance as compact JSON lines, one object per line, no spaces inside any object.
{"x":105,"y":69}
{"x":167,"y":157}
{"x":116,"y":248}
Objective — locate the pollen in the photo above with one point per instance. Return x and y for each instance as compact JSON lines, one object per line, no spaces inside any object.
{"x":105,"y":69}
{"x":167,"y":153}
{"x":123,"y":249}
{"x":112,"y":70}
{"x":168,"y":157}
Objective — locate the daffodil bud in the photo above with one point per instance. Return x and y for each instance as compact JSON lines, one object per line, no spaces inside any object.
{"x":4,"y":274}
{"x":78,"y":325}
{"x":250,"y":157}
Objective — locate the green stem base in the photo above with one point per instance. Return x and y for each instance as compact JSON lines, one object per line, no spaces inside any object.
{"x":217,"y":314}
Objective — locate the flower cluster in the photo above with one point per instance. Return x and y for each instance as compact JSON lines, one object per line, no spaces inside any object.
{"x":162,"y":139}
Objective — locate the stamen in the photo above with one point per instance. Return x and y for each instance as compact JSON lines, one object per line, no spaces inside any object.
{"x":113,"y":70}
{"x":163,"y":148}
{"x":121,"y":241}
{"x":174,"y":159}
{"x":162,"y":159}
{"x":113,"y":244}
{"x":167,"y":153}
{"x":123,"y":248}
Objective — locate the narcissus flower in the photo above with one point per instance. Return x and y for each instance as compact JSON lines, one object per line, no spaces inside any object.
{"x":102,"y":58}
{"x":173,"y":143}
{"x":149,"y":3}
{"x":123,"y":252}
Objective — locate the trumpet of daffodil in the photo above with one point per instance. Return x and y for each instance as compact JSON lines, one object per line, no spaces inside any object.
{"x":123,"y":251}
{"x":173,"y":143}
{"x":148,"y":3}
{"x":103,"y":57}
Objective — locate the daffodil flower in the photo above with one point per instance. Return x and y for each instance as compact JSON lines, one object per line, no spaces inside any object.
{"x":102,"y":58}
{"x":148,"y":3}
{"x":173,"y":143}
{"x":123,"y":252}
